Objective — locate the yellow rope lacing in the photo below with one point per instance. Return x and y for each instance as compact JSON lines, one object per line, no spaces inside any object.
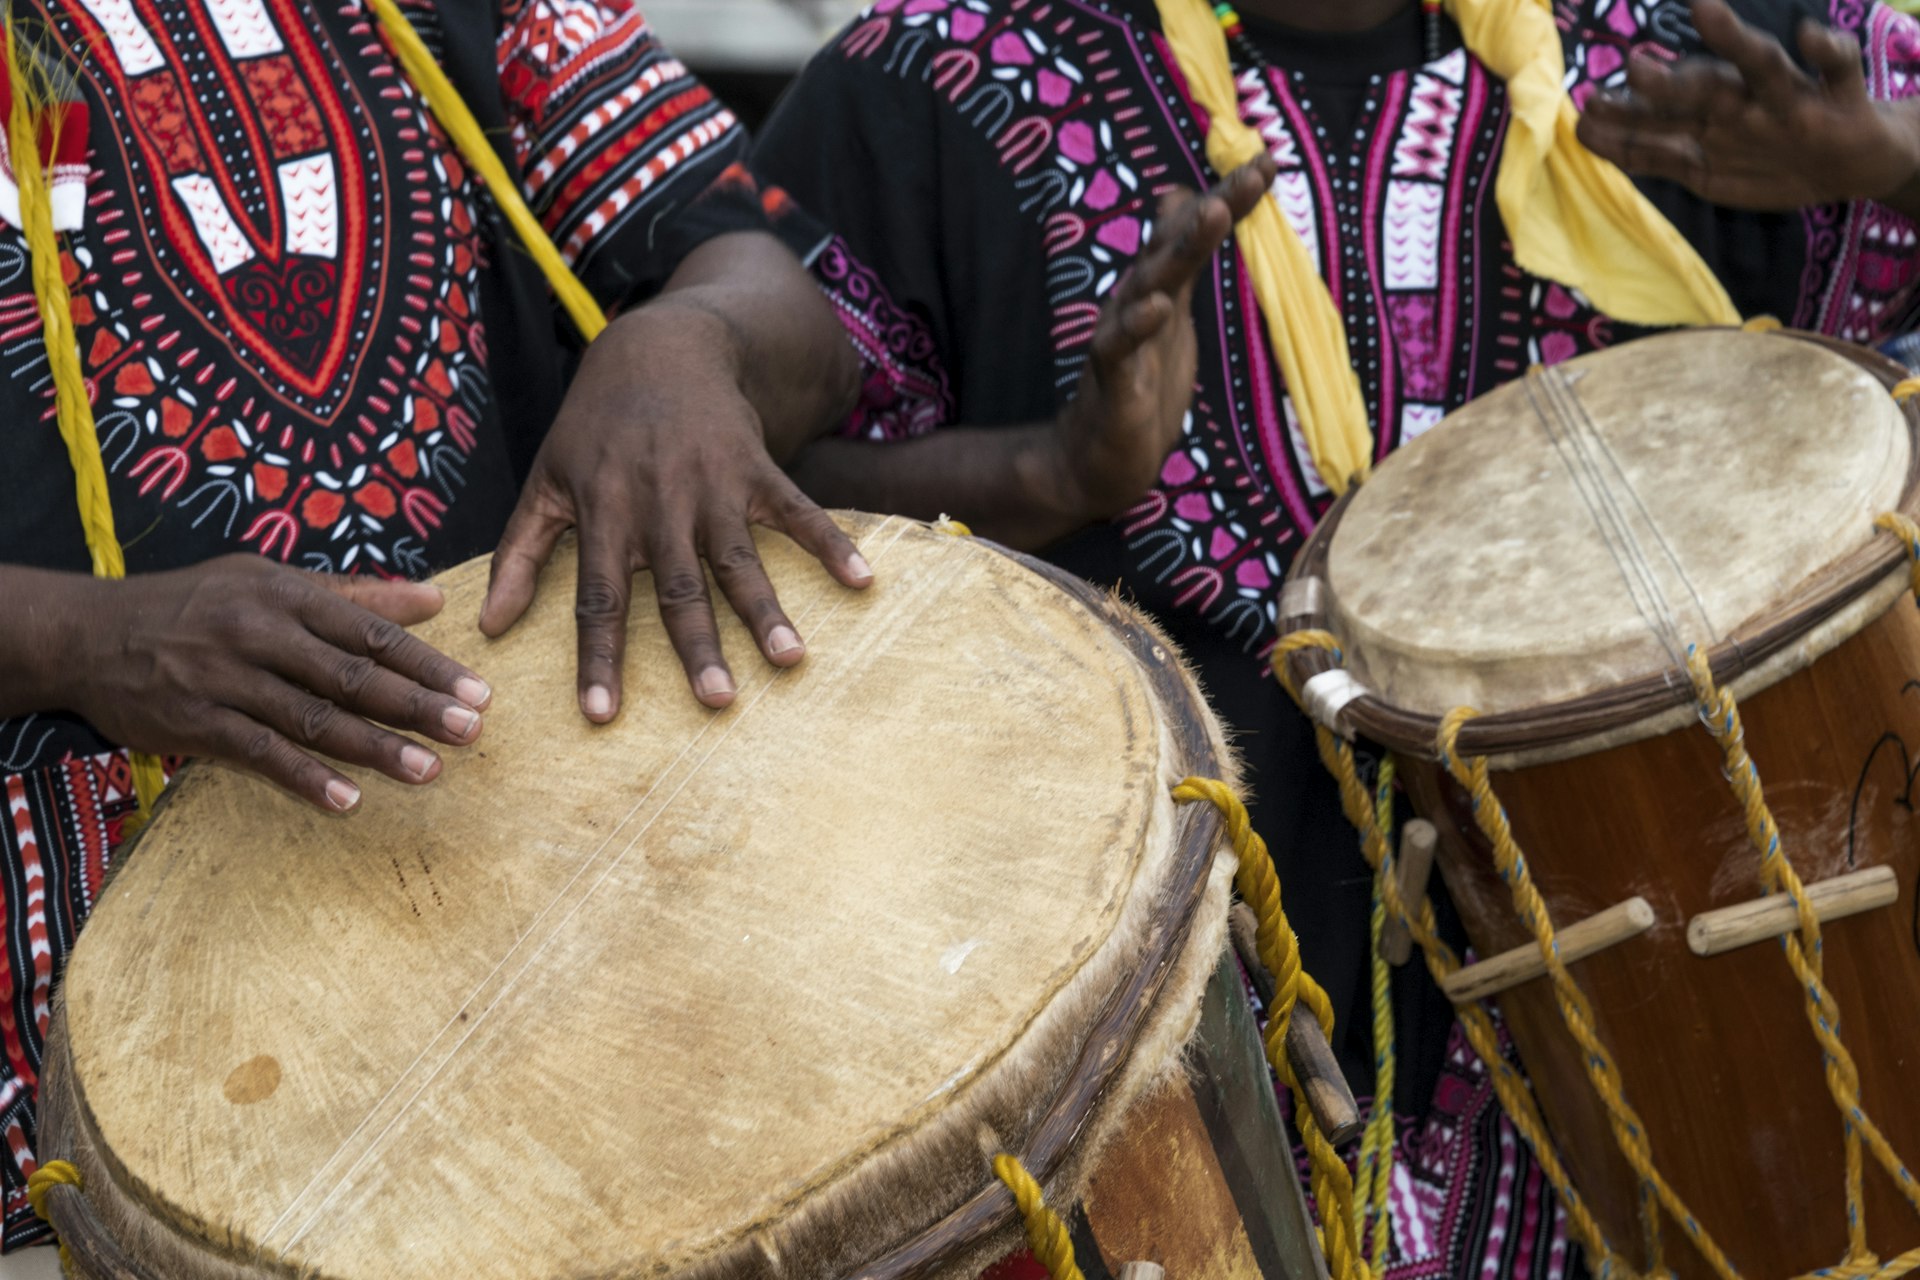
{"x":1047,"y":1236}
{"x":1804,"y":952}
{"x":1516,"y":1098}
{"x":54,"y":1173}
{"x":1908,"y":532}
{"x":1629,"y":1132}
{"x":1279,"y":950}
{"x":1375,"y":1175}
{"x":1803,"y":949}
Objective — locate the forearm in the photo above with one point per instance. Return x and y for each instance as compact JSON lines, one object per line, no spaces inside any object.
{"x":37,"y":634}
{"x":793,"y":360}
{"x":1003,"y":482}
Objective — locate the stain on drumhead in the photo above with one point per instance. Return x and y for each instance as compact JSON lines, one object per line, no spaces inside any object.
{"x":254,"y":1080}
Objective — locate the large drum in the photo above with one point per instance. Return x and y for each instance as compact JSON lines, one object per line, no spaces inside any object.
{"x":1548,"y":556}
{"x":758,"y":993}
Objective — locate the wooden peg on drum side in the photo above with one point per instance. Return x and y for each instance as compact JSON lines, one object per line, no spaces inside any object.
{"x":1713,"y":933}
{"x":1414,"y":867}
{"x":1308,"y":1053}
{"x":1617,"y":924}
{"x":1143,"y":1271}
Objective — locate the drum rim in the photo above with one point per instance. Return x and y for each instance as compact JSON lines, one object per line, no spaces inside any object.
{"x":988,"y":1217}
{"x":1556,"y":729}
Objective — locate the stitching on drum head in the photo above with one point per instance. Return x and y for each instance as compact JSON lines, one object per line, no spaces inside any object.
{"x":592,"y":860}
{"x":1578,"y":440}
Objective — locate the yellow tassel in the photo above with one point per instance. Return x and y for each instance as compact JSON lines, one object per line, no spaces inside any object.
{"x":1279,"y":951}
{"x":32,"y":102}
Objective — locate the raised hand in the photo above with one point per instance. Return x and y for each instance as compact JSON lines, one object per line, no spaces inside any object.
{"x":253,"y":663}
{"x":1126,"y":416}
{"x":1749,"y":129}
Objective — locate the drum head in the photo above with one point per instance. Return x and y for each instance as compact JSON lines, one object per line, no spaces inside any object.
{"x":1578,"y":529}
{"x":744,"y":993}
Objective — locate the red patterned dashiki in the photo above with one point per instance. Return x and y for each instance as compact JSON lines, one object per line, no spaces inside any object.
{"x":306,"y":333}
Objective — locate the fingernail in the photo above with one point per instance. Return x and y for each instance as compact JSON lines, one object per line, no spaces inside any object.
{"x":598,"y":703}
{"x":782,"y":641}
{"x":473,"y":692}
{"x":715,"y":683}
{"x":460,"y":722}
{"x":858,"y":564}
{"x":417,"y":761}
{"x":342,"y":795}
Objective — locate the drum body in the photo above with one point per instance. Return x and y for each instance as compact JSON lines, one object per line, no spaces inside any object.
{"x":750,"y":994}
{"x":1640,"y":505}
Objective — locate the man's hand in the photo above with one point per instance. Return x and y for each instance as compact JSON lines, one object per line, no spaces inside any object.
{"x":1749,"y":129}
{"x":1126,"y":416}
{"x":660,"y":461}
{"x":262,"y":666}
{"x":1032,"y":484}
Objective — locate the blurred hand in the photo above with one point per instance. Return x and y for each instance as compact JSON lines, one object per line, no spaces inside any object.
{"x":1749,"y":129}
{"x":1126,"y":416}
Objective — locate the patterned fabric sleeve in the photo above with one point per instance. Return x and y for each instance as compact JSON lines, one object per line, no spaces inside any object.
{"x":1872,"y":275}
{"x":621,"y":147}
{"x":857,"y":179}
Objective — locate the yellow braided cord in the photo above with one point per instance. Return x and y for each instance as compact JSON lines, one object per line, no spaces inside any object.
{"x":1908,"y":532}
{"x":1629,"y":1133}
{"x":1279,"y":951}
{"x":1906,"y":389}
{"x":1376,"y":1145}
{"x":1047,"y":1236}
{"x":1761,"y":324}
{"x":54,"y":1173}
{"x":1516,"y":1097}
{"x":1804,"y":952}
{"x":73,"y":407}
{"x":452,"y":113}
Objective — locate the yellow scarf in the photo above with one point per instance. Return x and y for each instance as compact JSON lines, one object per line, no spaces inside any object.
{"x":1572,"y":217}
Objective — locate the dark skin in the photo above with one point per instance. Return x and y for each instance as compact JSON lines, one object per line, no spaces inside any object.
{"x":664,"y":455}
{"x":1751,"y":130}
{"x":1028,"y":486}
{"x":661,"y":456}
{"x":243,"y":660}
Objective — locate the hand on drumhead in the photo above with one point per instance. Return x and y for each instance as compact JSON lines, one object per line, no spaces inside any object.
{"x":270,"y":669}
{"x":1749,"y":129}
{"x":659,"y":460}
{"x":1126,"y":416}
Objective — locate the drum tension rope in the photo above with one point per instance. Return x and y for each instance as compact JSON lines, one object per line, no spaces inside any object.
{"x":1719,"y":713}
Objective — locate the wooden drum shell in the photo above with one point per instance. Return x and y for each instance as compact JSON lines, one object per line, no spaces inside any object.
{"x":1616,"y":791}
{"x":1716,"y":1052}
